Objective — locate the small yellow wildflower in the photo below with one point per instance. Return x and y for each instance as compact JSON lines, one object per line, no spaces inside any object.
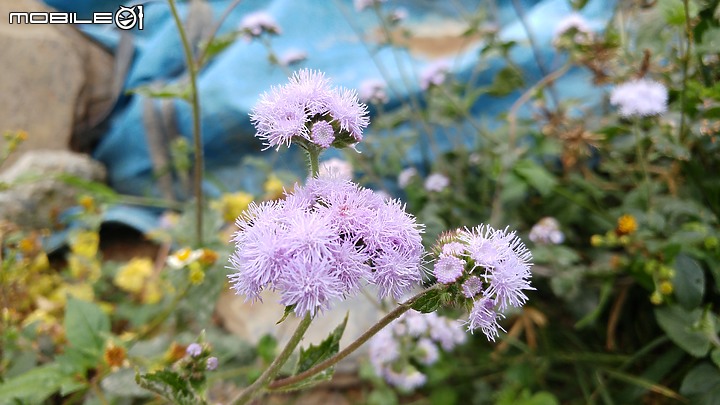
{"x":232,"y":205}
{"x":85,"y":243}
{"x":152,"y":294}
{"x":656,"y":298}
{"x":196,"y":275}
{"x":596,"y":240}
{"x":82,"y":291}
{"x":273,"y":187}
{"x":209,"y":257}
{"x":134,"y":274}
{"x":28,"y":245}
{"x":626,"y":225}
{"x":175,"y":352}
{"x":115,"y":356}
{"x":87,"y":202}
{"x":666,"y":288}
{"x":84,"y":268}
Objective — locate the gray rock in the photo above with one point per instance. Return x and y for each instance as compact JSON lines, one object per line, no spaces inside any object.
{"x":54,"y":82}
{"x":35,"y":195}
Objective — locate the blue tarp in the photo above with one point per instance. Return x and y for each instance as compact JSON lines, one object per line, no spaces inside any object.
{"x":327,"y":30}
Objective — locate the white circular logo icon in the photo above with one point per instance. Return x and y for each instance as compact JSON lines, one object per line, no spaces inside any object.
{"x":126,"y":18}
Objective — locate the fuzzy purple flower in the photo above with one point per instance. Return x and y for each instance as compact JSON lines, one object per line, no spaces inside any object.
{"x":434,"y":74}
{"x":321,"y":242}
{"x":193,"y":350}
{"x":472,"y":286}
{"x":211,"y":364}
{"x":406,"y":176}
{"x":448,"y":269}
{"x":291,"y":112}
{"x":641,"y":97}
{"x":255,"y":24}
{"x":373,"y":90}
{"x":484,"y":317}
{"x":436,"y":182}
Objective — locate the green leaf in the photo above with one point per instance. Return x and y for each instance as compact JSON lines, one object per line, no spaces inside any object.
{"x":702,"y":385}
{"x":85,"y":326}
{"x":170,"y":385}
{"x":715,"y":357}
{"x":288,"y":310}
{"x":36,"y":385}
{"x":429,"y":302}
{"x":536,"y":176}
{"x":266,"y":348}
{"x":97,"y":189}
{"x":689,"y":282}
{"x":682,"y":327}
{"x":507,"y":80}
{"x":173,"y":90}
{"x":219,"y":44}
{"x":314,"y":355}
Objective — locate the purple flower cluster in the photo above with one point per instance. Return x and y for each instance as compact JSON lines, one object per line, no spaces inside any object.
{"x":492,"y":267}
{"x":413,"y":336}
{"x":309,"y":110}
{"x":321,"y":242}
{"x":254,"y":24}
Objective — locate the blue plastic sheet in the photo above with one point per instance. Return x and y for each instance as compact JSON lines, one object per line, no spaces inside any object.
{"x":328,"y":32}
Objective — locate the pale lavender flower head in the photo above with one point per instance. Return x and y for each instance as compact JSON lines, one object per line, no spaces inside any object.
{"x":361,"y":5}
{"x":212,"y":364}
{"x":254,"y":24}
{"x":193,"y":350}
{"x":398,"y":15}
{"x":406,"y":176}
{"x":436,"y":182}
{"x":383,"y":350}
{"x":321,"y":242}
{"x":453,"y":249}
{"x":292,"y":57}
{"x":335,"y":167}
{"x":640,"y":97}
{"x":428,"y":351}
{"x":288,"y":113}
{"x":446,"y":332}
{"x":573,"y":21}
{"x":472,"y":286}
{"x":547,"y":232}
{"x":406,"y":380}
{"x":373,"y":90}
{"x":322,"y":134}
{"x":483,"y":316}
{"x":434,"y":74}
{"x":448,"y":269}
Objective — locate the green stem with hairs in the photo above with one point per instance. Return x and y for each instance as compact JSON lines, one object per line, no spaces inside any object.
{"x":197,"y":134}
{"x":385,"y":321}
{"x":254,"y":389}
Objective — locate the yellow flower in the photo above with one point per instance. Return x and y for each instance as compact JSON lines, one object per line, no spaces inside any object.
{"x":28,"y":245}
{"x":666,"y":288}
{"x":115,"y":356}
{"x":626,"y":225}
{"x":82,"y":291}
{"x":152,"y":294}
{"x":40,"y":263}
{"x":134,"y":274}
{"x":84,"y":268}
{"x":273,"y":187}
{"x":232,"y":205}
{"x":656,"y":298}
{"x":197,"y":275}
{"x":596,"y":240}
{"x":85,"y":243}
{"x":209,"y":257}
{"x":87,"y":202}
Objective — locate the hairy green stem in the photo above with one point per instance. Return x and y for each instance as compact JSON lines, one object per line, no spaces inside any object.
{"x":253,"y":390}
{"x":197,"y":134}
{"x":314,"y":160}
{"x":685,"y":67}
{"x":642,"y":161}
{"x":394,"y":314}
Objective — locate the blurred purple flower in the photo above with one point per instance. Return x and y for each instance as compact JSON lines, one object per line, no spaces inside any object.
{"x":640,"y":97}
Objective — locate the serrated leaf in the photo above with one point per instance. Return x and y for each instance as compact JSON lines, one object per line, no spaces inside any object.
{"x":689,"y":282}
{"x":682,"y":327}
{"x":169,"y":385}
{"x":86,"y":326}
{"x":327,"y":348}
{"x":702,"y":385}
{"x":36,"y":385}
{"x":429,"y":302}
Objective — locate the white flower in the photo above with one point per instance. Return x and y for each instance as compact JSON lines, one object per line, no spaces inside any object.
{"x":573,"y":21}
{"x":641,"y":97}
{"x":256,"y":23}
{"x":337,"y":168}
{"x":406,"y":176}
{"x":547,"y":231}
{"x":436,"y":182}
{"x":183,"y":257}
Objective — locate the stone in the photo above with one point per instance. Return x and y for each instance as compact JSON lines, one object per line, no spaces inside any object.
{"x":251,"y":321}
{"x":36,"y":196}
{"x":55,"y":81}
